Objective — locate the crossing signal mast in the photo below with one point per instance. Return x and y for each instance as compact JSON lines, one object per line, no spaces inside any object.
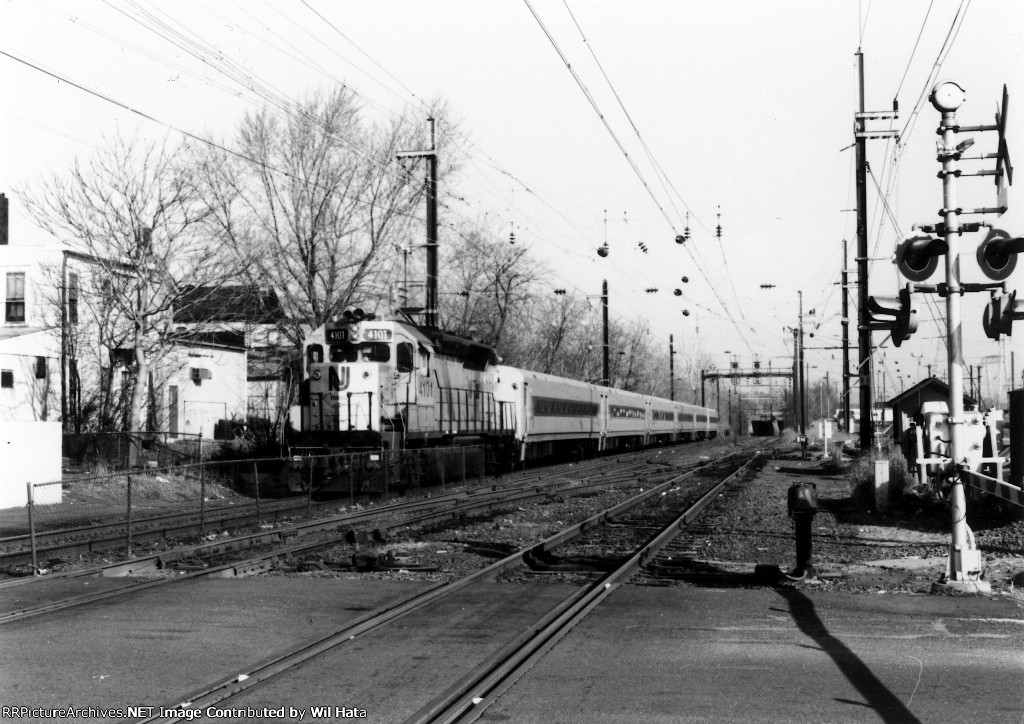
{"x":917,"y":257}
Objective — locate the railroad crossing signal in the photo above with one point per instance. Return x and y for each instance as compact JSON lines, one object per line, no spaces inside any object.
{"x":1004,"y":169}
{"x":893,"y":314}
{"x":997,"y":254}
{"x":1000,"y":313}
{"x":917,"y":256}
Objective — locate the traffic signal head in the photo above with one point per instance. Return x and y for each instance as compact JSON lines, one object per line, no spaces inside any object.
{"x":997,"y":254}
{"x":1000,"y":313}
{"x":917,"y":256}
{"x":893,"y":314}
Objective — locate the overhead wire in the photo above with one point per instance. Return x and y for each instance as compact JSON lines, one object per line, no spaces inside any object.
{"x":604,"y":120}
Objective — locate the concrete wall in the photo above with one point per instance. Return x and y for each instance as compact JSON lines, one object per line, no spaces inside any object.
{"x":31,"y":398}
{"x":30,"y":452}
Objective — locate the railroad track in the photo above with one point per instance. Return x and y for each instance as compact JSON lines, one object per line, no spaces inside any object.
{"x":234,"y":557}
{"x":104,"y":537}
{"x":467,"y":698}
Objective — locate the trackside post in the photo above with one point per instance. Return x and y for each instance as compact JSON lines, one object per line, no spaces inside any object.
{"x":32,"y":527}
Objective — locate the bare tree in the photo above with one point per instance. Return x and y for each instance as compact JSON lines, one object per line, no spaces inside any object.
{"x":488,"y":287}
{"x":137,"y":210}
{"x":316,"y":203}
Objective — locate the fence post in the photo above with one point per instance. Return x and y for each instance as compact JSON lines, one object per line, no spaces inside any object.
{"x":309,"y":489}
{"x":256,"y":476}
{"x":202,"y":499}
{"x":128,"y":525}
{"x":483,"y":464}
{"x":463,"y":449}
{"x":32,"y":527}
{"x":385,"y":458}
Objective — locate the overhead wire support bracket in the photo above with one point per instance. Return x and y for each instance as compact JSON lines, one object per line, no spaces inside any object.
{"x":875,"y":115}
{"x":877,"y":134}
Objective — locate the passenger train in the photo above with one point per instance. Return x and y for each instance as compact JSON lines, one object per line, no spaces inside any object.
{"x":389,"y":383}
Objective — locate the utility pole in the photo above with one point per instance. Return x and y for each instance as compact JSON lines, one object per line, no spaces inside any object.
{"x":604,"y":345}
{"x":430,"y":303}
{"x":863,"y":332}
{"x":671,"y":370}
{"x":796,"y":379}
{"x":800,"y":361}
{"x":846,"y":343}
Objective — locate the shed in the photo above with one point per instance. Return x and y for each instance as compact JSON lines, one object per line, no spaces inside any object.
{"x":906,"y":406}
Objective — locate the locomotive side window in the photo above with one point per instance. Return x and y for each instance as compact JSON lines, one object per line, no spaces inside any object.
{"x":405,"y":359}
{"x":424,"y":361}
{"x":343,"y":353}
{"x":314,"y":354}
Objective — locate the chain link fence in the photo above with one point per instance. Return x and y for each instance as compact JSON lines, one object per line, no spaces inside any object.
{"x":110,"y":451}
{"x":121,"y":513}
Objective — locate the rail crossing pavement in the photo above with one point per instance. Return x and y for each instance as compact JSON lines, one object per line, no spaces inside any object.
{"x":781,"y":654}
{"x":722,"y":649}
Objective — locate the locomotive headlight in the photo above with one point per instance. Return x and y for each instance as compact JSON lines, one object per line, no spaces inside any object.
{"x":353,"y":332}
{"x":366,"y":374}
{"x":315,"y":375}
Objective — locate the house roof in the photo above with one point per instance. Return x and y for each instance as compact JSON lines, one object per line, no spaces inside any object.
{"x":240,"y":303}
{"x":269,"y":363}
{"x":221,"y":338}
{"x":933,"y":383}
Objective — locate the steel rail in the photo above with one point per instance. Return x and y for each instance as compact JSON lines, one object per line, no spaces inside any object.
{"x":468,"y":698}
{"x":158,"y":527}
{"x":263,"y":672}
{"x":262,"y":562}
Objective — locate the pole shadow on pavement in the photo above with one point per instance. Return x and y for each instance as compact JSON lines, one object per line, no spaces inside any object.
{"x":876,"y":695}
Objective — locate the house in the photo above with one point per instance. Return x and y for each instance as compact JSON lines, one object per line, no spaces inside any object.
{"x":200,"y":382}
{"x":255,"y":315}
{"x":68,"y":356}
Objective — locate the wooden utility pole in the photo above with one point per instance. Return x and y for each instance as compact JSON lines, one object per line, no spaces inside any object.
{"x":863,"y":331}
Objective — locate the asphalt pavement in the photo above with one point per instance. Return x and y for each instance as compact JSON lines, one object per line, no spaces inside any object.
{"x":676,"y":653}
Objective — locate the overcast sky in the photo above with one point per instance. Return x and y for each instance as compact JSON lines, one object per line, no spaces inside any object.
{"x":738,"y":108}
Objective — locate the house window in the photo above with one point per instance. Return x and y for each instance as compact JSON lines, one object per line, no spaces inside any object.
{"x":15,"y":311}
{"x":6,"y":378}
{"x":73,"y":298}
{"x":40,"y":368}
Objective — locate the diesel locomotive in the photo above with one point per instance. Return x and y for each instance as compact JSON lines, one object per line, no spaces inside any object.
{"x":389,"y":383}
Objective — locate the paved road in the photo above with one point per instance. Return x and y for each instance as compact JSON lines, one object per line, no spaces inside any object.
{"x":648,"y":654}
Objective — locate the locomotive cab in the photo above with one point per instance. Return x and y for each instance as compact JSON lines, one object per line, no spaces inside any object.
{"x":364,"y":380}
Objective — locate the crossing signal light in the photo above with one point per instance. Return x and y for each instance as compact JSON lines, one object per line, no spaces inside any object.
{"x":686,"y":312}
{"x":602,"y":250}
{"x":678,"y":292}
{"x":997,"y":254}
{"x":917,"y":256}
{"x":1000,"y":313}
{"x":893,"y":314}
